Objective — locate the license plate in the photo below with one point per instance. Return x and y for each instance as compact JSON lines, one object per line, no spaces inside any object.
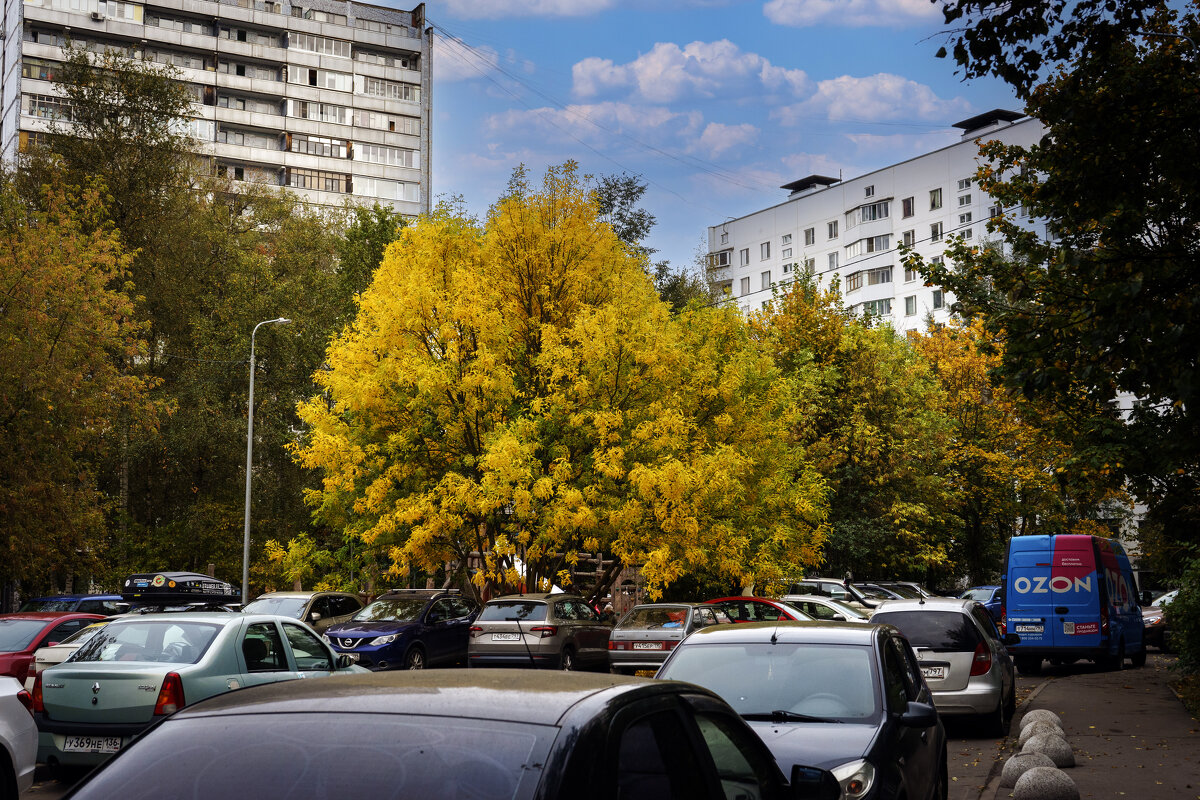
{"x":647,"y":646}
{"x":1028,"y":629}
{"x":92,"y":744}
{"x":933,"y":672}
{"x":506,"y":637}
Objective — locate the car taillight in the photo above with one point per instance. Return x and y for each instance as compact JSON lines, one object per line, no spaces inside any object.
{"x":476,"y":629}
{"x":981,"y":662}
{"x":26,"y":701}
{"x":544,"y":631}
{"x":37,"y":695}
{"x":170,"y":696}
{"x":615,"y":645}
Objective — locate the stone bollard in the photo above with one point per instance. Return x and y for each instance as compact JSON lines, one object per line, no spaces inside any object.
{"x":1020,"y":763}
{"x":1036,"y":727}
{"x":1053,"y":745}
{"x":1045,"y":783}
{"x":1040,"y":715}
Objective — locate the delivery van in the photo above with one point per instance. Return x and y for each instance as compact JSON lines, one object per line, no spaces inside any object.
{"x":1071,"y":597}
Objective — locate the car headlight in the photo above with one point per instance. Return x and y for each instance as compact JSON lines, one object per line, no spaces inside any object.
{"x":391,"y":637}
{"x":855,"y":777}
{"x":325,"y":637}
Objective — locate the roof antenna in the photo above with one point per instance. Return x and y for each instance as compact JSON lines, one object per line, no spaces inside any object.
{"x":775,"y":636}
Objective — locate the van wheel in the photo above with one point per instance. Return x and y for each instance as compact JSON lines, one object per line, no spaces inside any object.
{"x":1138,"y":659}
{"x":1029,"y":665}
{"x":1117,"y":662}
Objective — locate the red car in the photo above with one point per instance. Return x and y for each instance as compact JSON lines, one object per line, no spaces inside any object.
{"x":757,"y":609}
{"x":22,"y":633}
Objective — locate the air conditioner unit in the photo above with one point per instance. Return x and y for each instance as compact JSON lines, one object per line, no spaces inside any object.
{"x":96,"y":15}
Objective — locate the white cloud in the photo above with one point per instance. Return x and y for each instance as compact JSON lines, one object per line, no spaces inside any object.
{"x":700,"y":69}
{"x":507,"y":9}
{"x":454,"y":60}
{"x":851,"y":13}
{"x":897,"y":146}
{"x":717,"y":138}
{"x":881,"y":97}
{"x":596,"y":123}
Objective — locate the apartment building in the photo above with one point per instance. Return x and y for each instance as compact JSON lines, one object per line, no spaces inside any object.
{"x":330,"y":98}
{"x":852,"y":229}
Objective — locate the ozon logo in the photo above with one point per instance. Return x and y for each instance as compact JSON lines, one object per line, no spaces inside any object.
{"x":1058,"y":584}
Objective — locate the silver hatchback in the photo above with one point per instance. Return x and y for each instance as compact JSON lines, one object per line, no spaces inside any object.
{"x":962,"y":657}
{"x":648,"y":633}
{"x":554,"y":631}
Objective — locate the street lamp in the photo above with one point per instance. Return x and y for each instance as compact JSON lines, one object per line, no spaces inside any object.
{"x":249,"y":458}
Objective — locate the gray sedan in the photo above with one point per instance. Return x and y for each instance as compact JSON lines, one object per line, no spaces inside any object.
{"x":645,"y":636}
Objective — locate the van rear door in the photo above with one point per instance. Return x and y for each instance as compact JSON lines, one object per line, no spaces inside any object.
{"x":1054,"y":592}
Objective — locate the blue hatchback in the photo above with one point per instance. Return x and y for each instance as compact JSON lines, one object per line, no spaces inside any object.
{"x":407,"y":629}
{"x":107,"y":604}
{"x":989,"y":596}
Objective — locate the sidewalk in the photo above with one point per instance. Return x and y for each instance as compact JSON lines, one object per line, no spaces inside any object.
{"x":1131,"y":735}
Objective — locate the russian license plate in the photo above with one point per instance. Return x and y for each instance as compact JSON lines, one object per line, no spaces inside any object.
{"x":506,"y":637}
{"x":1028,"y":629}
{"x":647,"y":645}
{"x":92,"y":744}
{"x":934,"y":672}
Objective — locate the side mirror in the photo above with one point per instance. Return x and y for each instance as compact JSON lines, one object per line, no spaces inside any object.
{"x":315,"y":616}
{"x":345,"y":660}
{"x":1011,"y":638}
{"x":811,"y":783}
{"x":918,"y":715}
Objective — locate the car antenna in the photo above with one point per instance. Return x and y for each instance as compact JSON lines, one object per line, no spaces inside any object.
{"x":775,"y":636}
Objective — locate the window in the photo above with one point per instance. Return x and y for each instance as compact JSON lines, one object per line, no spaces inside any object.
{"x":309,"y":652}
{"x":392,"y":90}
{"x":408,"y":191}
{"x":718,"y":260}
{"x":810,"y":266}
{"x":380,"y":121}
{"x":766,"y":279}
{"x":833,"y":260}
{"x":878,"y":308}
{"x":785,"y":239}
{"x":318,"y":179}
{"x":266,"y":141}
{"x":879,"y":275}
{"x":908,"y":237}
{"x":402,"y":157}
{"x":725,"y":238}
{"x":321,"y":78}
{"x":833,"y":229}
{"x":854,"y":282}
{"x":787,"y":253}
{"x":386,"y":59}
{"x":745,"y":286}
{"x":963,"y":219}
{"x":964,"y":184}
{"x":764,"y":251}
{"x":868,"y":213}
{"x":964,"y":200}
{"x":907,"y":207}
{"x":939,"y":260}
{"x":935,"y":199}
{"x":320,"y":112}
{"x":872,"y":244}
{"x":810,"y":236}
{"x":869,"y":191}
{"x":319,"y":44}
{"x":319,"y":145}
{"x":994,"y":211}
{"x":250,"y":36}
{"x":787,"y":268}
{"x":966,"y":234}
{"x":910,"y":274}
{"x":325,"y":16}
{"x":939,"y":299}
{"x":744,"y":256}
{"x":263,"y":649}
{"x":935,"y":232}
{"x":910,"y":306}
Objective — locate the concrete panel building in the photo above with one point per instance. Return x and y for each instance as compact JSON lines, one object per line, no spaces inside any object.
{"x":330,"y":98}
{"x":853,"y":228}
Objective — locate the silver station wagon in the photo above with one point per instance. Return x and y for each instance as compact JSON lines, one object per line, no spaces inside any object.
{"x":552,"y":631}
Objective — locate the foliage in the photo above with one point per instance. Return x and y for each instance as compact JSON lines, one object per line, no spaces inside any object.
{"x":360,"y":249}
{"x":513,"y":393}
{"x":1183,"y":618}
{"x":63,"y":334}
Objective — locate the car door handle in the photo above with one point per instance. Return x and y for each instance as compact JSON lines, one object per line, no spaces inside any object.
{"x":925,"y":736}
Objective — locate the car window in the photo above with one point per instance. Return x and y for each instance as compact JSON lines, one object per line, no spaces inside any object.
{"x":703,"y":617}
{"x":400,"y":609}
{"x":309,"y":652}
{"x":82,"y":635}
{"x":946,"y":631}
{"x":320,"y":605}
{"x":985,"y":621}
{"x":982,"y":594}
{"x":17,"y":634}
{"x":894,"y":680}
{"x":742,"y":774}
{"x":146,"y":640}
{"x":459,"y":608}
{"x":284,"y":606}
{"x":65,"y":629}
{"x":908,"y":665}
{"x":817,"y":610}
{"x":263,"y":649}
{"x":523,"y":610}
{"x":341,"y":606}
{"x":654,"y":761}
{"x":583,"y":612}
{"x":564,"y":611}
{"x":439,"y":611}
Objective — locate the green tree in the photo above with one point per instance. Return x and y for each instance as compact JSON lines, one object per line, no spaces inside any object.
{"x":360,"y":249}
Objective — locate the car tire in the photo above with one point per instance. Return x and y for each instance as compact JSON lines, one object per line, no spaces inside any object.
{"x":1138,"y":659}
{"x":415,"y":657}
{"x":1029,"y":665}
{"x":997,"y":723}
{"x":942,"y":790}
{"x":1116,"y":663}
{"x":566,"y":662}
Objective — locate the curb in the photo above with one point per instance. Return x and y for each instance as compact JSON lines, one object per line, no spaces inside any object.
{"x":992,"y":789}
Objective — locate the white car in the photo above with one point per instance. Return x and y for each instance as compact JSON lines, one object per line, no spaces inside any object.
{"x":45,"y":657}
{"x":18,"y":735}
{"x":825,"y":608}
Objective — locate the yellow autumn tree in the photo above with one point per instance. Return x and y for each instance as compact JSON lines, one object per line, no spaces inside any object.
{"x":513,"y":391}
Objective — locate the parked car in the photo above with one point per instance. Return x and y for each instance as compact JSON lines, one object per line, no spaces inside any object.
{"x":963,"y":657}
{"x":59,"y":652}
{"x":839,"y":590}
{"x":18,"y":738}
{"x":991,"y":599}
{"x":909,"y":589}
{"x":643,"y":637}
{"x":757,"y":609}
{"x":321,"y":610}
{"x":1154,"y":621}
{"x":23,"y":633}
{"x":555,"y":631}
{"x":838,"y":696}
{"x":407,"y":629}
{"x":106,"y":604}
{"x":824,"y":608}
{"x":459,"y":734}
{"x":138,"y":669}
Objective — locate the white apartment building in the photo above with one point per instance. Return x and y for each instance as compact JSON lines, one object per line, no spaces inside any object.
{"x":330,"y":98}
{"x":853,"y":228}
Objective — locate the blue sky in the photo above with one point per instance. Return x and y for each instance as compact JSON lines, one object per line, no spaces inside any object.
{"x":713,"y":103}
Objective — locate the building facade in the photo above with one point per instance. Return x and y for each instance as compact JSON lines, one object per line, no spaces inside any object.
{"x":852,"y":229}
{"x":330,"y":98}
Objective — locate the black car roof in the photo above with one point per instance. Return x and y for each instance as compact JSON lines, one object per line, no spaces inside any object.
{"x":531,"y":696}
{"x":791,"y":633}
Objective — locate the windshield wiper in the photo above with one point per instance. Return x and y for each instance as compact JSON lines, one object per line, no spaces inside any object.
{"x":779,"y":715}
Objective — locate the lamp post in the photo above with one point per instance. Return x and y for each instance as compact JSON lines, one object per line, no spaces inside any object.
{"x":249,"y":459}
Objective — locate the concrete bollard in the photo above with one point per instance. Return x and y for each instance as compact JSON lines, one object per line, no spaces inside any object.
{"x":1045,"y":783}
{"x":1053,"y":745}
{"x":1040,"y":715}
{"x":1020,"y":763}
{"x":1036,"y":727}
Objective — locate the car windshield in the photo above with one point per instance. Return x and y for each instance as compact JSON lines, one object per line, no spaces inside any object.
{"x":17,"y":634}
{"x":649,"y":617}
{"x":501,"y":610}
{"x":831,"y":682}
{"x":403,"y":609}
{"x":873,"y":592}
{"x":165,"y":641}
{"x":48,"y":605}
{"x":947,"y":631}
{"x":903,"y":591}
{"x":329,"y":755}
{"x":285,"y":606}
{"x":79,"y":637}
{"x":982,"y":594}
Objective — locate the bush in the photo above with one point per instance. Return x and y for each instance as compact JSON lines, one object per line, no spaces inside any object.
{"x":1183,"y":619}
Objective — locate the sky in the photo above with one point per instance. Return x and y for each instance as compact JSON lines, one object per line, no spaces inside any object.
{"x":713,"y":104}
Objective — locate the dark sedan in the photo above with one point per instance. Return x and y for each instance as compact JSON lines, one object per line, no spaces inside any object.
{"x":842,"y":697}
{"x":447,"y":734}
